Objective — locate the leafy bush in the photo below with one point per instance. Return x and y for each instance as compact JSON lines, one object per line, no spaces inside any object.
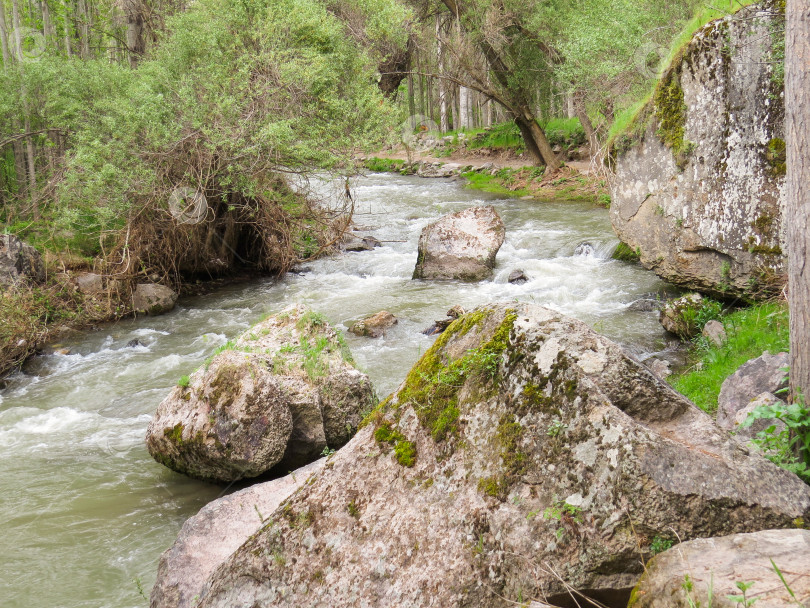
{"x":790,"y":447}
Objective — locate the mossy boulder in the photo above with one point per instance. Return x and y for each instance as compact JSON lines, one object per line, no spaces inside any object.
{"x":699,"y":176}
{"x":460,"y":245}
{"x":523,"y":453}
{"x":275,"y":397}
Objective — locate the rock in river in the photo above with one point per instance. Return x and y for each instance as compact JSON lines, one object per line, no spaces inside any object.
{"x":521,"y":451}
{"x":216,"y":531}
{"x":153,"y":299}
{"x":278,"y":395}
{"x":374,"y":326}
{"x":461,"y":245}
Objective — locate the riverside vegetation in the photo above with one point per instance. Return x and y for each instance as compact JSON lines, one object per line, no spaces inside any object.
{"x":177,"y":145}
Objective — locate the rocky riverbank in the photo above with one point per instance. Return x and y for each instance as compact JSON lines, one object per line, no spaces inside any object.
{"x":524,"y":457}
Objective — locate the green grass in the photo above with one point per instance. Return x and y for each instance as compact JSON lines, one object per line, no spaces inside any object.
{"x":497,"y":184}
{"x":751,"y":331}
{"x":501,"y":136}
{"x":565,"y":132}
{"x":704,"y":15}
{"x":626,"y":117}
{"x":384,"y":165}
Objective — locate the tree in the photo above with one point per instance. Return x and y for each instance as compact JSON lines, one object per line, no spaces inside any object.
{"x":495,"y":33}
{"x":797,"y":193}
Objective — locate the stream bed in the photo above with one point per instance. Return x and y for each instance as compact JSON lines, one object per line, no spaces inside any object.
{"x":86,"y":512}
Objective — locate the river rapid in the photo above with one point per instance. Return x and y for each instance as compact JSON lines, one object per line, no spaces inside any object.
{"x":86,"y":512}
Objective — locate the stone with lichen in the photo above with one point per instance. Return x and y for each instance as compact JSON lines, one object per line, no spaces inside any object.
{"x":699,"y":175}
{"x":275,"y":397}
{"x":523,"y":453}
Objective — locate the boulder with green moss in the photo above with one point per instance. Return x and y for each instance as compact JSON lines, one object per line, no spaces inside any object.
{"x":523,"y":453}
{"x":700,"y":172}
{"x":275,"y":397}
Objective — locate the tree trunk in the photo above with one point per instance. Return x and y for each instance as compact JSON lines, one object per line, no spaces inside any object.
{"x":537,"y":144}
{"x":464,"y":108}
{"x":66,"y":27}
{"x":47,"y":26}
{"x":4,"y":37}
{"x":133,"y":11}
{"x":797,"y":195}
{"x":443,"y":122}
{"x":411,"y":96}
{"x":578,"y":101}
{"x":84,"y":28}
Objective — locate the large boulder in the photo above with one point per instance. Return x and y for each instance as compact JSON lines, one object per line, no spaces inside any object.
{"x":19,"y":261}
{"x":277,"y":396}
{"x":700,"y":175}
{"x":461,"y":245}
{"x":153,"y":299}
{"x":216,"y":531}
{"x":705,"y":572}
{"x":767,"y":373}
{"x":523,"y":453}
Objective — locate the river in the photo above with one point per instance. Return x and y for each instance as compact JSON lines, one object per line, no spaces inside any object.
{"x":86,"y":512}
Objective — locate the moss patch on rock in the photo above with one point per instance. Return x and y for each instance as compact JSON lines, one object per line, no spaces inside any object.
{"x":433,"y":385}
{"x":776,"y":155}
{"x":671,"y":111}
{"x":625,"y":253}
{"x":404,"y":450}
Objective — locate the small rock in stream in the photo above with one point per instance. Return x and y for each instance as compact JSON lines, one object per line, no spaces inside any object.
{"x":517,"y":277}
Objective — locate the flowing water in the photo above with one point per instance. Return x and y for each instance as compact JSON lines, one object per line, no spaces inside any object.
{"x":86,"y":512}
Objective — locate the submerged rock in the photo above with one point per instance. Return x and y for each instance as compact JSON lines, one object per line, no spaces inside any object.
{"x":281,"y":393}
{"x":19,"y":261}
{"x":517,"y":277}
{"x":523,"y":450}
{"x":374,"y":326}
{"x":216,"y":531}
{"x":706,"y":571}
{"x":645,"y":305}
{"x":767,"y":373}
{"x":700,"y":180}
{"x":354,"y":242}
{"x":153,"y":299}
{"x":441,"y":324}
{"x":461,"y":245}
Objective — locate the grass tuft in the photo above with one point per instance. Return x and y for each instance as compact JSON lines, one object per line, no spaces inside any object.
{"x":751,"y":332}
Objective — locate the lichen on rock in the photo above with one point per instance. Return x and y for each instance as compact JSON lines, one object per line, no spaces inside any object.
{"x":275,"y":397}
{"x":705,"y":159}
{"x":522,"y":450}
